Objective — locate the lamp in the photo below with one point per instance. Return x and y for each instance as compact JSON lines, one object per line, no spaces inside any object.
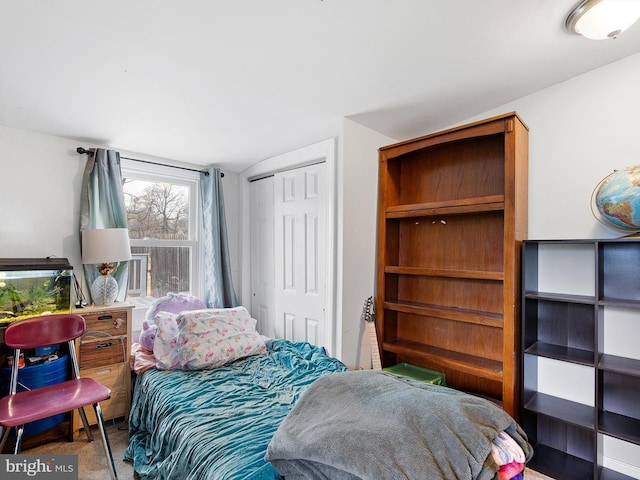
{"x":601,"y":19}
{"x":103,"y":247}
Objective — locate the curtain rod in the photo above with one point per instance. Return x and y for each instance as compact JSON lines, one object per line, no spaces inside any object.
{"x":82,"y":150}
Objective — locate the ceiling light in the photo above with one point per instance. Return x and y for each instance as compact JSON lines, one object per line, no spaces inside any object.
{"x":600,"y":19}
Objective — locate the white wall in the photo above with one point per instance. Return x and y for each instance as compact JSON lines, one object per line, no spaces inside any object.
{"x":580,"y":131}
{"x":40,"y":196}
{"x":357,"y":223}
{"x":41,"y":179}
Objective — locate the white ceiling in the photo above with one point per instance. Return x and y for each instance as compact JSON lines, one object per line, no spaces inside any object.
{"x":231,"y":82}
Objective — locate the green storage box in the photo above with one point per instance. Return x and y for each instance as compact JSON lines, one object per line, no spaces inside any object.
{"x":417,"y":373}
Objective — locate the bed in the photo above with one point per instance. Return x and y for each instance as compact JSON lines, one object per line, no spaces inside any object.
{"x":189,"y":424}
{"x":281,"y":409}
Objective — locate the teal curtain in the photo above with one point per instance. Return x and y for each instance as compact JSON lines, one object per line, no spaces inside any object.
{"x":102,"y":206}
{"x":218,"y":286}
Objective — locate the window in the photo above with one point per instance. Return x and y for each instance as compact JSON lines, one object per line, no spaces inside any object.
{"x":162,"y":212}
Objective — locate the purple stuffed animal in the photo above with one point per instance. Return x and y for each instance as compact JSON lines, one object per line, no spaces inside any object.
{"x":147,"y":335}
{"x":172,"y":303}
{"x":175,"y":303}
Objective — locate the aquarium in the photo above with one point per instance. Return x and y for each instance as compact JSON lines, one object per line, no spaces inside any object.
{"x":34,"y":286}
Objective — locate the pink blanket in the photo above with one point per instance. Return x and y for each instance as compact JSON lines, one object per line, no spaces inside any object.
{"x":141,"y":360}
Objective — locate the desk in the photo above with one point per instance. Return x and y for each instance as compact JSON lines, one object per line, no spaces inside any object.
{"x":103,"y":354}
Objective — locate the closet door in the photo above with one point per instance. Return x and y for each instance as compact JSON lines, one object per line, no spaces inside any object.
{"x":262,"y":255}
{"x":300,"y":251}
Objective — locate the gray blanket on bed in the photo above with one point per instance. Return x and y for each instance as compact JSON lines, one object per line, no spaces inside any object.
{"x":376,"y":425}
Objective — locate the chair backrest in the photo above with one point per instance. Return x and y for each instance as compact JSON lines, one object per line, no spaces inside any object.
{"x":44,"y":330}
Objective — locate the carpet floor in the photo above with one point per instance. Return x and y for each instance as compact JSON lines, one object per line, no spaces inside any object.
{"x":92,"y":464}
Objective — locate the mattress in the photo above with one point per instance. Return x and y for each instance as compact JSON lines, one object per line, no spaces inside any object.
{"x":217,"y":424}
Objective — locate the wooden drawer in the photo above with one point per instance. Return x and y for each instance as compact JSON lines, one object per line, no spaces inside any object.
{"x":111,"y":323}
{"x":99,"y":351}
{"x":103,"y":354}
{"x":114,"y":378}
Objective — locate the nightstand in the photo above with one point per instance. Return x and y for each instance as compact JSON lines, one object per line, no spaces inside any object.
{"x":103,"y":354}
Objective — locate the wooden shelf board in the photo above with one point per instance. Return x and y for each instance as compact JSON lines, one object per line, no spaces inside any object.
{"x":490,"y":126}
{"x":564,"y":410}
{"x":619,"y":426}
{"x":449,"y":273}
{"x":477,"y":366}
{"x":607,"y":474}
{"x":557,"y":352}
{"x":490,"y":203}
{"x":561,"y":241}
{"x":559,"y":465}
{"x":619,"y":302}
{"x":448,"y":313}
{"x":561,"y":297}
{"x":622,"y":365}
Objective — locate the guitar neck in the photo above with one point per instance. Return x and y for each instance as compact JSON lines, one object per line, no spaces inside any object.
{"x":375,"y":352}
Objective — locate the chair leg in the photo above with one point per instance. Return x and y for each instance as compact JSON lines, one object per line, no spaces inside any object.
{"x":105,"y":441}
{"x":19,"y":434}
{"x":85,"y":423}
{"x":4,"y":431}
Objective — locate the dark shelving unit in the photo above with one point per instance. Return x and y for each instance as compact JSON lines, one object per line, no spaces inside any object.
{"x":569,"y":327}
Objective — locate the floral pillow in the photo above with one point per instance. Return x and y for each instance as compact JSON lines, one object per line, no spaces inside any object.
{"x":213,"y":337}
{"x":205,"y":339}
{"x":165,"y":346}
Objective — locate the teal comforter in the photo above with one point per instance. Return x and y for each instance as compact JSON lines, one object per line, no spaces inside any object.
{"x":216,"y":424}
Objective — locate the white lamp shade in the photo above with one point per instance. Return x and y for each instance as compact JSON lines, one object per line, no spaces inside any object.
{"x":105,"y":245}
{"x":601,"y":19}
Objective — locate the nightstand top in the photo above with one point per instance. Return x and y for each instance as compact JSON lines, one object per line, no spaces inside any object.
{"x":103,"y":308}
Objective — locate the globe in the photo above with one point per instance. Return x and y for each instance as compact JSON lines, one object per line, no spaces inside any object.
{"x":616,"y":200}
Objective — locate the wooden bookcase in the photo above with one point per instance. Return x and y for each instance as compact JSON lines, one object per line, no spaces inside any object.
{"x":581,"y":375}
{"x":452,"y":214}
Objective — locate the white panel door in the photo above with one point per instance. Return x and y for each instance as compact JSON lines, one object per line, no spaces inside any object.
{"x":300,"y":250}
{"x":262,"y":255}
